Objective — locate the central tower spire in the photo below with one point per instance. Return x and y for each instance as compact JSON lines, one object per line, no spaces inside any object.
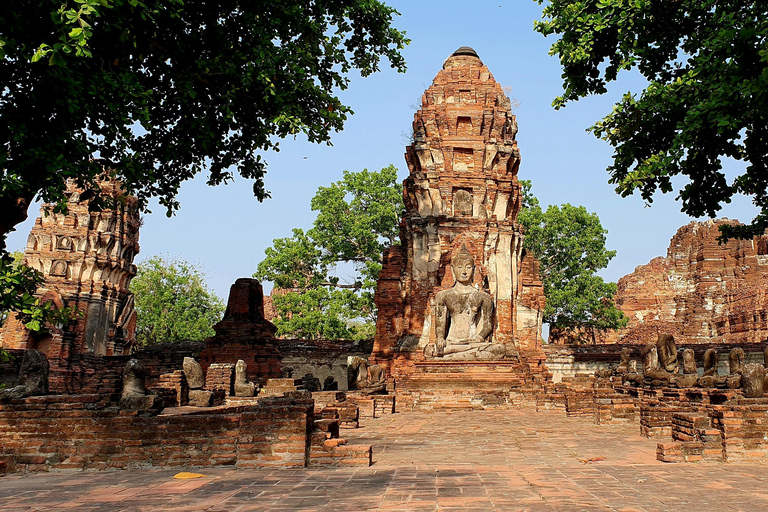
{"x":462,"y":191}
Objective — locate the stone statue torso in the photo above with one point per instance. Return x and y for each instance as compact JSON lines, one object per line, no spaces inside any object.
{"x":467,"y":319}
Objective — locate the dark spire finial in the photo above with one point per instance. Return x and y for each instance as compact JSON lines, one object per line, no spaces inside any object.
{"x":465,"y":50}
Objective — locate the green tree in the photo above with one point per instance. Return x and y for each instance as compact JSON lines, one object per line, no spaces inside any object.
{"x":10,"y":282}
{"x":18,"y":284}
{"x":706,"y":63}
{"x":173,"y":302}
{"x":357,"y":220}
{"x":569,"y":243}
{"x":161,"y":90}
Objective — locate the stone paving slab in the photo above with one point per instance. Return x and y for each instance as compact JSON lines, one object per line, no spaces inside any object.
{"x":518,"y":460}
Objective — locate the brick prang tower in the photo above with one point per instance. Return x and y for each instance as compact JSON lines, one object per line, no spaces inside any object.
{"x":86,"y":258}
{"x":462,"y":190}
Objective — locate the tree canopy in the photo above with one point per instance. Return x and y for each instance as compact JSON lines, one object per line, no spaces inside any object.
{"x":569,"y":243}
{"x":706,"y":63}
{"x":357,"y":220}
{"x":173,"y":302}
{"x":160,"y":90}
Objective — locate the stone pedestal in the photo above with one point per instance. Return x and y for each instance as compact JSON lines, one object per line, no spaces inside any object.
{"x":449,"y":385}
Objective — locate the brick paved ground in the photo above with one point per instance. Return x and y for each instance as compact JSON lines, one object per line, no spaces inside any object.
{"x":482,"y":460}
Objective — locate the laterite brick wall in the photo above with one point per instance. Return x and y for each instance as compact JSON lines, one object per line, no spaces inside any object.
{"x":88,"y":432}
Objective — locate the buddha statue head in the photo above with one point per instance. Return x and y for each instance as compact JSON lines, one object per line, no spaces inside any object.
{"x":463,"y":265}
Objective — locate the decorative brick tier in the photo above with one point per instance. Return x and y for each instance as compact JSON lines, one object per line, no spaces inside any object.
{"x":86,"y":259}
{"x":448,"y":385}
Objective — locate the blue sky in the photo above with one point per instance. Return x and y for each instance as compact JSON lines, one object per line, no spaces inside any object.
{"x":225,"y":229}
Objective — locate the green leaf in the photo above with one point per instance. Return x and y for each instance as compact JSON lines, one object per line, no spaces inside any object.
{"x":56,"y":59}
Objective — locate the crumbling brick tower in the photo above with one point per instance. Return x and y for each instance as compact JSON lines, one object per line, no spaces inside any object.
{"x":462,"y":190}
{"x":86,"y":258}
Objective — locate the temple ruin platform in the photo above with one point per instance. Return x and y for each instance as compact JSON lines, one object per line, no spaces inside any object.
{"x":514,"y":460}
{"x":451,"y":385}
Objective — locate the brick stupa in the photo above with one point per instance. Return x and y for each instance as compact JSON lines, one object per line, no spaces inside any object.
{"x":462,"y":192}
{"x":245,"y":334}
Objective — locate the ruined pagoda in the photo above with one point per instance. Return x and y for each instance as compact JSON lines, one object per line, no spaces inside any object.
{"x":462,"y":195}
{"x":86,"y":259}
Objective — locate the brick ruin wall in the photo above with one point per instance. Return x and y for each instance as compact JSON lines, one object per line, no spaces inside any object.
{"x":86,"y":432}
{"x":690,"y":424}
{"x":700,"y":292}
{"x":320,"y":359}
{"x":569,"y":361}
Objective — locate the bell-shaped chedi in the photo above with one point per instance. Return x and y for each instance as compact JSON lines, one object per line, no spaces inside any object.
{"x":462,"y":196}
{"x":86,"y":257}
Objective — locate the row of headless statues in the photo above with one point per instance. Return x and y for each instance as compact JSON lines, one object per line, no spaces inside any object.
{"x":662,"y":368}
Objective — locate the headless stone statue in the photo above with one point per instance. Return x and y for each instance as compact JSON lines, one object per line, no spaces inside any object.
{"x":463,"y":318}
{"x":710,"y":362}
{"x":357,"y":372}
{"x":633,"y":376}
{"x":134,"y":396}
{"x":652,"y":374}
{"x":753,"y":380}
{"x":765,"y":365}
{"x":242,"y":386}
{"x":690,"y":377}
{"x":330,"y":384}
{"x":624,"y":361}
{"x":362,"y":377}
{"x":311,"y":383}
{"x":736,"y":367}
{"x":667,"y":350}
{"x":198,"y":397}
{"x":710,"y":378}
{"x":689,"y":362}
{"x":33,"y":377}
{"x":650,"y":359}
{"x":736,"y":361}
{"x":377,"y":381}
